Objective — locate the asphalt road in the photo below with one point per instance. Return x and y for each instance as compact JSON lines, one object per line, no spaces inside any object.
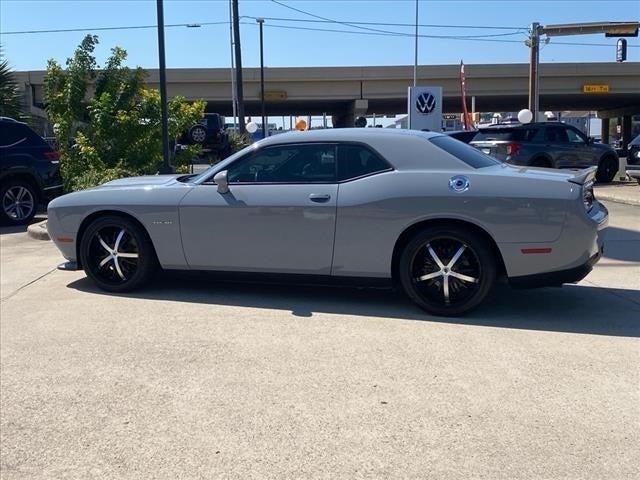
{"x":193,"y":378}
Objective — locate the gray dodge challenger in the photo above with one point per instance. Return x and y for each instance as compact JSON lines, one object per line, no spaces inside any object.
{"x":428,"y":213}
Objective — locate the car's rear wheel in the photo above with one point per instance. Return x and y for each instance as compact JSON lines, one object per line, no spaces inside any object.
{"x":447,"y":270}
{"x":117,"y":254}
{"x":541,"y":162}
{"x":19,"y":202}
{"x":607,"y":169}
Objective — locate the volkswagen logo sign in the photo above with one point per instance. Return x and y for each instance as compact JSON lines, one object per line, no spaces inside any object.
{"x":426,"y":103}
{"x":459,"y":183}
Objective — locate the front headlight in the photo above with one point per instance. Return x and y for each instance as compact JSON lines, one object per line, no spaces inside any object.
{"x":587,"y":195}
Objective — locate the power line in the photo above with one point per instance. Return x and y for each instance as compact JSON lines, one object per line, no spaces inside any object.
{"x":389,"y":24}
{"x":444,"y":37}
{"x":375,"y":32}
{"x":122,"y":27}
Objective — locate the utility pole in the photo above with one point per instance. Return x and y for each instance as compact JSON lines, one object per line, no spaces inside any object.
{"x":415,"y":51}
{"x":534,"y":64}
{"x":239,"y":89}
{"x":262,"y":107}
{"x":166,"y":166}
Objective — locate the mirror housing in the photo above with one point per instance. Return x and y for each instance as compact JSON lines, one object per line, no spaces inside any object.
{"x":220,"y":179}
{"x":591,"y":140}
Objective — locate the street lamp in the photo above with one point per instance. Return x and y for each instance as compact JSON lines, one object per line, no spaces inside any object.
{"x":264,"y":124}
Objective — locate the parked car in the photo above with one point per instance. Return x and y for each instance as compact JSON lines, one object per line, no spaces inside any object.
{"x":29,"y":172}
{"x":210,"y":132}
{"x":438,"y":217}
{"x":549,"y":145}
{"x":633,"y":151}
{"x":463,"y":135}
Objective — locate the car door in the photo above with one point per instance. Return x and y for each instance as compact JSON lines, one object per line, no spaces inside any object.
{"x":584,"y":155}
{"x":558,"y":147}
{"x":278,"y":216}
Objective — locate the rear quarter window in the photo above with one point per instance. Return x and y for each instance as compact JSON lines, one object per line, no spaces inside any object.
{"x":469,"y":155}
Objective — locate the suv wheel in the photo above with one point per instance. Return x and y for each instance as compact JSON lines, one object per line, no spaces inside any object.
{"x":607,"y":169}
{"x":198,"y":134}
{"x":541,"y":162}
{"x":19,"y":202}
{"x":447,"y":270}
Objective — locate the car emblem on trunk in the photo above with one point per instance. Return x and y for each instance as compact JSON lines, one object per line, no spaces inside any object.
{"x":459,"y":183}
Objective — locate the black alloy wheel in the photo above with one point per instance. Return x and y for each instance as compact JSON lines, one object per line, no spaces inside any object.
{"x":117,"y":254}
{"x":447,"y":270}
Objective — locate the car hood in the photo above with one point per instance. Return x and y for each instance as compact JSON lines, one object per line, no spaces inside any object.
{"x":145,"y":181}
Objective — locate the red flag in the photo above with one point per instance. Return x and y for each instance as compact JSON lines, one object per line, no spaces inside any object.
{"x":466,"y":120}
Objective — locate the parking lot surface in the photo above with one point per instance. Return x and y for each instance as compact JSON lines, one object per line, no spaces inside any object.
{"x":194,"y":378}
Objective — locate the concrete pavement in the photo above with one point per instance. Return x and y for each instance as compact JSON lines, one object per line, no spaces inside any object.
{"x":199,"y":379}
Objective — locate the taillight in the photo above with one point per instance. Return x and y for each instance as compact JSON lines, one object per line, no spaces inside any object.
{"x":52,"y":156}
{"x":513,"y":148}
{"x":587,"y":195}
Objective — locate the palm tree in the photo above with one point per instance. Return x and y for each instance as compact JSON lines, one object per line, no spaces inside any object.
{"x":10,"y":97}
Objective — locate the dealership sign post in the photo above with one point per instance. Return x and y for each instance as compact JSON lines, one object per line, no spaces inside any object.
{"x":424,"y":108}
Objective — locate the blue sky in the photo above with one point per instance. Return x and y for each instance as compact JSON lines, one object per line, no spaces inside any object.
{"x":208,"y":46}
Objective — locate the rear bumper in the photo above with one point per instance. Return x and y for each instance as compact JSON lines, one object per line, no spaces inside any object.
{"x":556,"y":279}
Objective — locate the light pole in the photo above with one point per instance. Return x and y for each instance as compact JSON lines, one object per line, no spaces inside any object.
{"x":415,"y":51}
{"x":166,"y":165}
{"x":264,"y":124}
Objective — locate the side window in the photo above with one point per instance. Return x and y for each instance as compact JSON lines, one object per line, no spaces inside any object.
{"x":296,"y":163}
{"x":556,"y":135}
{"x":11,"y":134}
{"x":574,"y":137}
{"x":357,"y":160}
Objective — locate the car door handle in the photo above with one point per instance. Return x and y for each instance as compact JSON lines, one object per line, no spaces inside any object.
{"x":319,"y":197}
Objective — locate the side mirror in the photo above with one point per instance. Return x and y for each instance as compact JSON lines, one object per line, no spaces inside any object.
{"x":221,"y":181}
{"x":591,"y":140}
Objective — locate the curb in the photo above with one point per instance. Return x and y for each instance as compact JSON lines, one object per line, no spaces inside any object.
{"x":38,"y":231}
{"x":617,"y":199}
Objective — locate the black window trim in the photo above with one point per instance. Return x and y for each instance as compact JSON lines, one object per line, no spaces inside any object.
{"x":336,"y":144}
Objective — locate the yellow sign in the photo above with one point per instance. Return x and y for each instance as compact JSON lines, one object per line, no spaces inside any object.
{"x":275,"y":95}
{"x":600,"y":88}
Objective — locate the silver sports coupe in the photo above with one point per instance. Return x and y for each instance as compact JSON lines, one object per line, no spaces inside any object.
{"x":435,"y":216}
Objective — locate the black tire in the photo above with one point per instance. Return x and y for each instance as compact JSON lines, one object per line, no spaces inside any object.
{"x":541,"y":162}
{"x":607,"y":169}
{"x":198,"y":134}
{"x":476,"y":261}
{"x":122,"y":273}
{"x":18,"y":202}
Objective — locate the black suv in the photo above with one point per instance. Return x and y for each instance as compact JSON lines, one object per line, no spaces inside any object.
{"x":29,"y":172}
{"x":211,"y":134}
{"x":547,"y":144}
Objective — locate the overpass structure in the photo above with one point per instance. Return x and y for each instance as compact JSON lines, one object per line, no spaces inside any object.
{"x":612,"y":89}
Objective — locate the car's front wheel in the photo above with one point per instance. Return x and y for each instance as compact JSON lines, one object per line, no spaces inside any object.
{"x":447,"y":270}
{"x":117,"y":254}
{"x":19,"y":202}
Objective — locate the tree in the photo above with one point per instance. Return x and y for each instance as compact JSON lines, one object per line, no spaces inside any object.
{"x":106,"y":122}
{"x":10,"y":98}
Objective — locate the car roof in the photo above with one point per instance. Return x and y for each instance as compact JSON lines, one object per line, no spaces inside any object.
{"x":505,"y":126}
{"x":344,"y":135}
